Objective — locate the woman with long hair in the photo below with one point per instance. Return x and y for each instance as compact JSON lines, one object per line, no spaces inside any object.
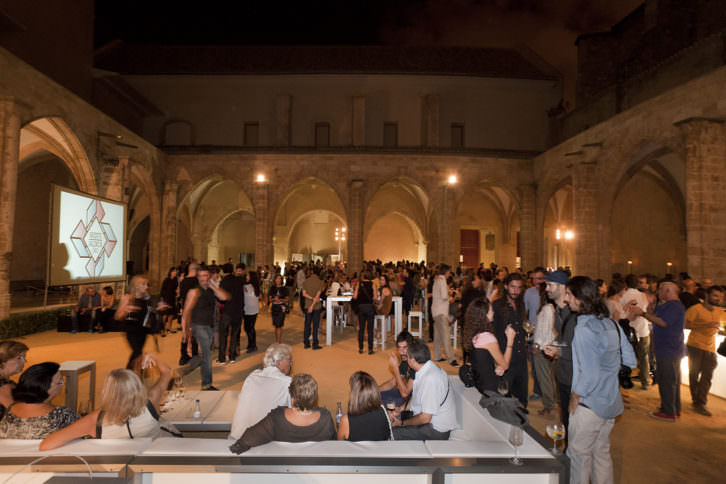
{"x":487,"y":361}
{"x":127,"y":409}
{"x":252,"y":308}
{"x":366,"y":418}
{"x":544,"y":334}
{"x":135,"y":312}
{"x":32,"y":416}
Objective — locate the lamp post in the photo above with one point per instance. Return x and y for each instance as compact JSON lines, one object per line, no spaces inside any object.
{"x":340,"y":238}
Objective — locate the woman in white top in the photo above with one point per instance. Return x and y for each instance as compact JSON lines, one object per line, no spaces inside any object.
{"x":252,"y":308}
{"x":544,"y":334}
{"x":127,"y":410}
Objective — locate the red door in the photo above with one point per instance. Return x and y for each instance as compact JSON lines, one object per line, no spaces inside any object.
{"x":470,"y":247}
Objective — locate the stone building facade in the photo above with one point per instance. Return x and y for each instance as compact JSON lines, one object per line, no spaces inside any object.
{"x":273,"y":153}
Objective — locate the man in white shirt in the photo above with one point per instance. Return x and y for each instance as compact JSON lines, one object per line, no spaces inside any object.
{"x":641,"y":326}
{"x":432,"y":400}
{"x":440,"y":311}
{"x":263,"y":390}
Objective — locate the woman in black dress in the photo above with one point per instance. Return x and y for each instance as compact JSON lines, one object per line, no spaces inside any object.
{"x":278,"y":300}
{"x":367,"y":419}
{"x":135,"y":312}
{"x":487,"y":361}
{"x":168,"y":295}
{"x":366,"y":310}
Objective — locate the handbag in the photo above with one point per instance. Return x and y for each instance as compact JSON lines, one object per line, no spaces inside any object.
{"x":624,"y":373}
{"x":466,"y":374}
{"x":722,"y":348}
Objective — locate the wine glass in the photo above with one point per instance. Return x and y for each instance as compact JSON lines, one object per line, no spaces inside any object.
{"x":556,"y":432}
{"x":503,"y":387}
{"x":516,"y":438}
{"x":528,"y":326}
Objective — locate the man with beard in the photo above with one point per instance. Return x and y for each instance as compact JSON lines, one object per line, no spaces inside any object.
{"x":565,"y":323}
{"x":509,"y":310}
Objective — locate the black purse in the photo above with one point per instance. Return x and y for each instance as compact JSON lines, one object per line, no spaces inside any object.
{"x":722,"y":348}
{"x":624,"y":373}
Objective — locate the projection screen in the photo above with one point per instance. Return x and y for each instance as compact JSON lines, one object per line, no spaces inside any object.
{"x":88,"y":239}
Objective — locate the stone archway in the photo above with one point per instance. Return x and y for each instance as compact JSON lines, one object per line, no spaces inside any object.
{"x":647,"y":205}
{"x":488,"y":225}
{"x":398,"y":213}
{"x":53,"y":135}
{"x":309,"y":196}
{"x":558,"y":231}
{"x":203,"y":207}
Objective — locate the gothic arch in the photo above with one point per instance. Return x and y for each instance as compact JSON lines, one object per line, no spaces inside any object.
{"x":53,"y":134}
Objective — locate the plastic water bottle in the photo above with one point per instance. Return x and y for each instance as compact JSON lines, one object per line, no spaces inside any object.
{"x":197,"y":410}
{"x":339,"y":414}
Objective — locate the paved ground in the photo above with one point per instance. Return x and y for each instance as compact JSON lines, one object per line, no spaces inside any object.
{"x":644,"y":450}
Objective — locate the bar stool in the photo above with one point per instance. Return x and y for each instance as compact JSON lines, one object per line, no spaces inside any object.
{"x":70,"y":371}
{"x":455,"y":332}
{"x":419,"y":316}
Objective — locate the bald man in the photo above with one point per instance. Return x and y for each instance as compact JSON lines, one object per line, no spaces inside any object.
{"x":668,"y":321}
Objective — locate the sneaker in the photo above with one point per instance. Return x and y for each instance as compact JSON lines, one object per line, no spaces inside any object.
{"x":441,"y":359}
{"x":454,"y":363}
{"x":210,"y":388}
{"x":317,"y":347}
{"x":662,"y":416}
{"x":534,"y":397}
{"x":220,"y":362}
{"x":702,"y":410}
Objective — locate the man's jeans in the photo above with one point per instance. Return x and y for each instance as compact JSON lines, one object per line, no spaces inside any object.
{"x":643,"y":365}
{"x":700,"y":373}
{"x":668,"y":377}
{"x":230,"y":325}
{"x":313,"y":319}
{"x":419,"y":432}
{"x":204,"y":336}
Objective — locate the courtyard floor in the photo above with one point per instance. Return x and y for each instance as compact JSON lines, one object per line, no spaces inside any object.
{"x":643,"y":449}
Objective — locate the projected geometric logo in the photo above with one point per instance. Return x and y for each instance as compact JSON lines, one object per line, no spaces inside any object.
{"x":94,"y":239}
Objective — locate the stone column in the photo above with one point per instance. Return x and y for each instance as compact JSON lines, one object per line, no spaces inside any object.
{"x":446,"y":228}
{"x":527,"y":227}
{"x":10,"y":124}
{"x":705,"y":141}
{"x":263,"y":237}
{"x":587,"y":241}
{"x":355,"y":226}
{"x":168,"y":225}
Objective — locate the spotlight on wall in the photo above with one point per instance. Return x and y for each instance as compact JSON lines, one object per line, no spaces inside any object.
{"x":260,"y":178}
{"x":558,"y":234}
{"x":669,"y":264}
{"x":569,"y":235}
{"x":452,"y":179}
{"x":630,"y":262}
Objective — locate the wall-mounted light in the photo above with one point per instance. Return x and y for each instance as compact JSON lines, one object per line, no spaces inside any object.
{"x":260,"y":178}
{"x":452,"y":179}
{"x":569,"y":235}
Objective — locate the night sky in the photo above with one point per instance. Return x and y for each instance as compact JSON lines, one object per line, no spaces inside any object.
{"x":547,"y":27}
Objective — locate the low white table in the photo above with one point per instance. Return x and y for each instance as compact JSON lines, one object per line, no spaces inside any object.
{"x":217,"y":410}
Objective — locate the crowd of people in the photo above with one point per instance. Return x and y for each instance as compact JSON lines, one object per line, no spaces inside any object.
{"x":575,"y":335}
